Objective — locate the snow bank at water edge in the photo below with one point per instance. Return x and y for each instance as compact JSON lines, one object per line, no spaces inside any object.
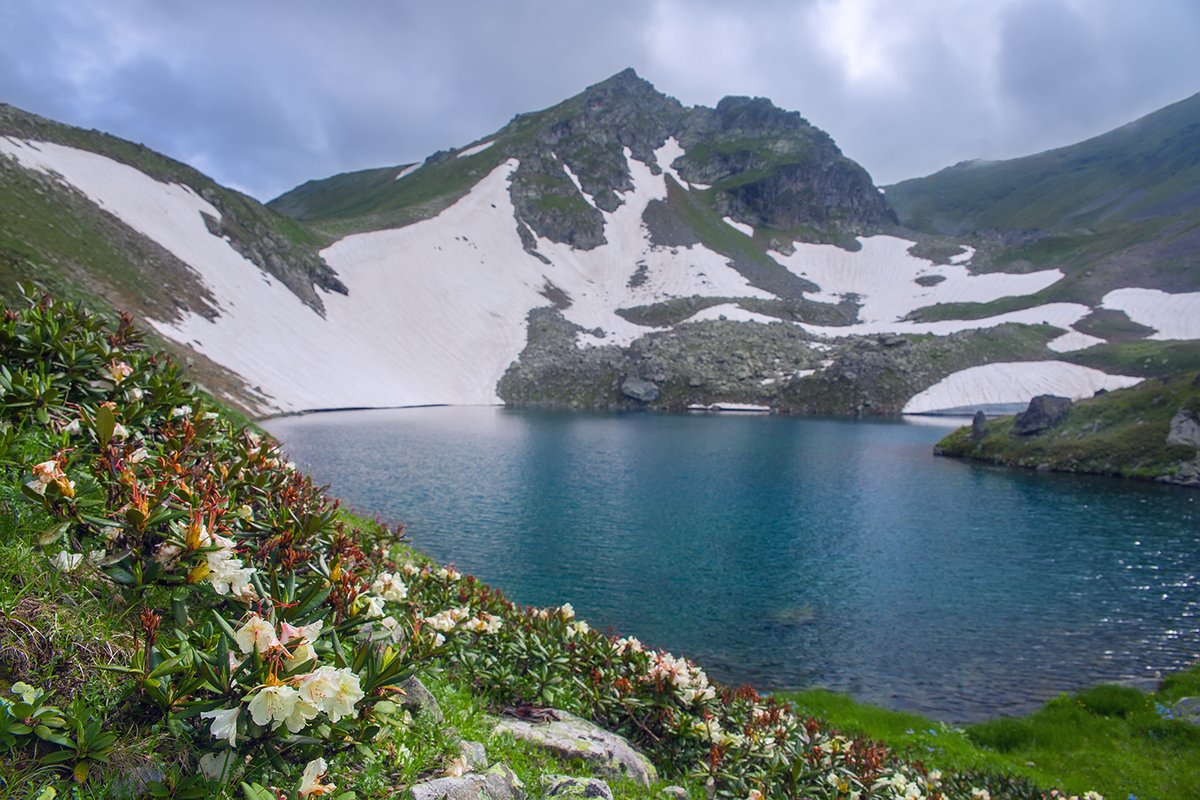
{"x":1017,"y":382}
{"x":1173,"y":316}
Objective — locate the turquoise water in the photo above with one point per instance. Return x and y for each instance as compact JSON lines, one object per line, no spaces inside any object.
{"x":790,"y":552}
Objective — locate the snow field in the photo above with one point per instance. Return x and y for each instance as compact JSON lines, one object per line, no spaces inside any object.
{"x":883,"y":275}
{"x":1011,"y":382}
{"x":1173,"y":316}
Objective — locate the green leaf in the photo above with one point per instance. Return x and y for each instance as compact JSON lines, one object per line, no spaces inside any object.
{"x":105,"y":423}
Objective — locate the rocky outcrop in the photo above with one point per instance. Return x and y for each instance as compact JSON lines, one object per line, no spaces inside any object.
{"x":724,"y":361}
{"x":498,"y":783}
{"x":1045,"y":411}
{"x":642,"y":391}
{"x":1185,"y":429}
{"x":570,"y":737}
{"x":767,"y":167}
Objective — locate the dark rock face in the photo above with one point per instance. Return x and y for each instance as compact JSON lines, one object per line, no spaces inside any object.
{"x":641,"y":390}
{"x":767,"y":167}
{"x":1044,"y":412}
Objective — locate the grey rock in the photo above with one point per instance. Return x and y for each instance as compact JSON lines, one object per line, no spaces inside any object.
{"x":1187,"y":709}
{"x":641,"y":390}
{"x":474,"y":755}
{"x":1185,"y":429}
{"x":571,"y":737}
{"x":979,"y":425}
{"x":419,"y":700}
{"x":1044,"y":412}
{"x":567,"y":786}
{"x":498,"y":783}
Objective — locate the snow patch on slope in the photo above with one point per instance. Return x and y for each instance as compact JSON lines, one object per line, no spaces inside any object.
{"x":597,"y":289}
{"x":1073,"y":340}
{"x":1014,"y":382}
{"x":470,"y":151}
{"x":882,"y":273}
{"x":739,"y":226}
{"x":1173,"y":316}
{"x":409,"y":170}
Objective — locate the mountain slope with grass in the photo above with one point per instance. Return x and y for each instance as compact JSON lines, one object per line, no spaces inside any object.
{"x":617,"y":250}
{"x":1116,"y":211}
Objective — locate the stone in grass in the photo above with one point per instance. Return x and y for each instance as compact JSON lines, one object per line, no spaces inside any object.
{"x":419,"y":700}
{"x":1044,"y":412}
{"x":498,"y":783}
{"x":474,"y":755}
{"x":567,"y":786}
{"x":570,"y":737}
{"x":1187,"y":709}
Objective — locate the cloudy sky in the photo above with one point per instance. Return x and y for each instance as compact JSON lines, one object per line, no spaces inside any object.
{"x":265,"y":94}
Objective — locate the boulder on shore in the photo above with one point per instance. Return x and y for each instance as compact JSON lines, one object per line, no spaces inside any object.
{"x":1185,"y":429}
{"x":1044,"y":412}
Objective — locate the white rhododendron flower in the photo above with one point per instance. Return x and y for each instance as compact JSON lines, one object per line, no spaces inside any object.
{"x":67,"y":562}
{"x":448,"y":574}
{"x":566,"y":611}
{"x":447,"y":620}
{"x":181,"y":411}
{"x":628,"y":644}
{"x":410,"y":570}
{"x":281,"y":705}
{"x":226,"y":572}
{"x":224,"y":725}
{"x":119,"y":431}
{"x":74,"y":428}
{"x":258,"y":634}
{"x":389,"y":587}
{"x":334,"y":691}
{"x":310,"y":781}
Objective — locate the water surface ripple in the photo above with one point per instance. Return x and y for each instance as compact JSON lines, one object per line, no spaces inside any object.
{"x":790,"y":552}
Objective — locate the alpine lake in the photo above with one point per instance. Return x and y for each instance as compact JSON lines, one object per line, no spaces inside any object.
{"x":790,"y":552}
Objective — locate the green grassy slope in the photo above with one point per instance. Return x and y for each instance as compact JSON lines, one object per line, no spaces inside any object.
{"x":1149,"y":168}
{"x":1119,"y":433}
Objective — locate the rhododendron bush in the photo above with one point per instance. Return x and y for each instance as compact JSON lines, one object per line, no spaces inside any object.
{"x":272,"y":638}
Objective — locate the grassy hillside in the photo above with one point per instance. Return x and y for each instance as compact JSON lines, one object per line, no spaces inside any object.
{"x":1148,"y":169}
{"x":67,"y":240}
{"x":1119,"y":433}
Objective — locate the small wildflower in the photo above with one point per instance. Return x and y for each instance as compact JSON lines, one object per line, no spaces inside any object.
{"x":224,"y":725}
{"x":310,"y":781}
{"x":258,"y":634}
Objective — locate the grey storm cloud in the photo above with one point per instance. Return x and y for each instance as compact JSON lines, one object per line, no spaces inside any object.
{"x":265,"y":95}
